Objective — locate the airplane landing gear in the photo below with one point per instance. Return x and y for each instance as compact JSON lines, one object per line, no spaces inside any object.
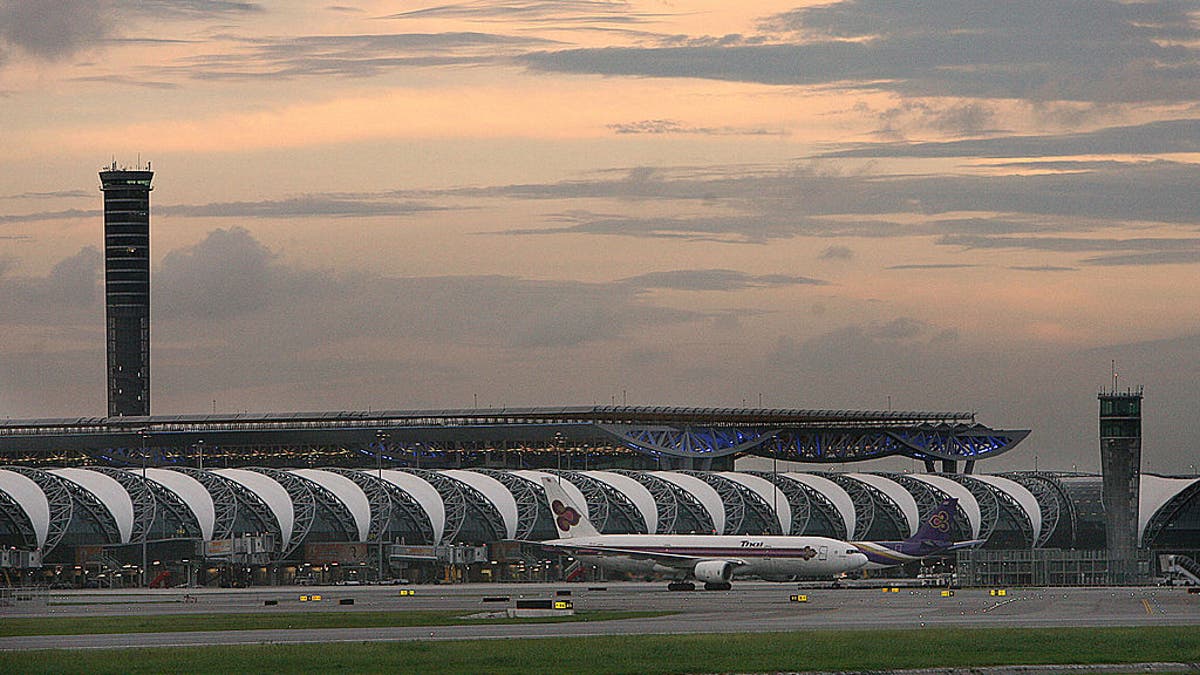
{"x":718,"y":586}
{"x":681,"y":586}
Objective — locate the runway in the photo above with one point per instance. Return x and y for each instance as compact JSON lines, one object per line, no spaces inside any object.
{"x":749,"y":607}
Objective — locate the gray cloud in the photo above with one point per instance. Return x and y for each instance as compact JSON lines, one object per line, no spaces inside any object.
{"x":125,"y":80}
{"x":1041,"y":50}
{"x":931,"y":266}
{"x":715,"y":280}
{"x":1074,"y":244}
{"x":230,"y":277}
{"x":55,"y":29}
{"x":556,"y":11}
{"x":71,"y":286}
{"x":59,"y":29}
{"x":300,"y":207}
{"x":353,"y":55}
{"x":1043,"y":268}
{"x":51,"y":215}
{"x":54,"y":194}
{"x":1172,"y":136}
{"x":191,"y":9}
{"x":970,"y":117}
{"x":1157,"y":258}
{"x":837,"y":253}
{"x":663,"y":127}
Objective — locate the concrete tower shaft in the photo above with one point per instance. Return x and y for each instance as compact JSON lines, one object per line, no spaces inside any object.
{"x":127,"y":288}
{"x":1121,"y":464}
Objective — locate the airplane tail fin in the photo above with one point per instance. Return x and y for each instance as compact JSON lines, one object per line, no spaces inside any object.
{"x":938,"y":527}
{"x":568,"y":517}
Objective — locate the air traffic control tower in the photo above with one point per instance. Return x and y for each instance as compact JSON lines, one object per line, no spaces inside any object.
{"x":1121,"y":464}
{"x":127,"y":287}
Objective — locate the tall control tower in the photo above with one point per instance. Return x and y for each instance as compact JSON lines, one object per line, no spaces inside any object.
{"x":1121,"y":464}
{"x":127,"y":287}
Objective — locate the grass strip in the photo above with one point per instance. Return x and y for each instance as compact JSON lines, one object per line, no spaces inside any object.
{"x":795,"y":651}
{"x":175,"y":623}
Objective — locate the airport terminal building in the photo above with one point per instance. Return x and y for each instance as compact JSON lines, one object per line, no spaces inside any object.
{"x":274,"y":525}
{"x":449,"y":494}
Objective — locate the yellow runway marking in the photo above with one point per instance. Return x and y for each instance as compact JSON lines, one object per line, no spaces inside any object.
{"x":1146,"y":604}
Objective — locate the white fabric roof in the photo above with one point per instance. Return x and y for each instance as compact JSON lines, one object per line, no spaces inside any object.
{"x":1154,"y":493}
{"x":111,"y":494}
{"x":573,"y":492}
{"x":271,"y":492}
{"x":427,"y":496}
{"x":955,"y":489}
{"x":835,"y":493}
{"x":494,"y":491}
{"x":26,"y":493}
{"x":348,"y":492}
{"x":769,"y":493}
{"x":895,"y":492}
{"x":1022,"y":496}
{"x":191,"y":492}
{"x":634,"y":491}
{"x":706,"y":494}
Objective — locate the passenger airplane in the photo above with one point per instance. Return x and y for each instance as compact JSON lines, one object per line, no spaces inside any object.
{"x":712,"y":559}
{"x":931,"y":539}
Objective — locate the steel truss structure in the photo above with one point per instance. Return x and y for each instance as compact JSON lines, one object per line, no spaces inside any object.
{"x":796,"y":495}
{"x":745,"y":511}
{"x":655,"y":437}
{"x":1059,"y":520}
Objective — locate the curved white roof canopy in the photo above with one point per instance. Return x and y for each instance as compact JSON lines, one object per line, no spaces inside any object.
{"x":271,"y":492}
{"x":835,"y":493}
{"x":966,"y":500}
{"x":424,"y":494}
{"x":111,"y":494}
{"x":1155,"y":493}
{"x":706,"y":494}
{"x":30,"y":498}
{"x":1022,"y":496}
{"x":348,"y":493}
{"x":573,"y":492}
{"x":900,"y":497}
{"x":494,"y":491}
{"x":634,"y":491}
{"x":770,"y":494}
{"x":191,"y":492}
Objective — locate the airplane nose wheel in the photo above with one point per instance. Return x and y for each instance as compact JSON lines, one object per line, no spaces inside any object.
{"x":681,"y":586}
{"x":718,"y":586}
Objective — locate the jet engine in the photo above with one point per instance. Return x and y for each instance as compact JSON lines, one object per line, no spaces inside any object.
{"x":713,"y":571}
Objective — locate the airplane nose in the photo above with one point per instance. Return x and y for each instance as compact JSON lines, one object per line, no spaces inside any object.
{"x":858,"y":559}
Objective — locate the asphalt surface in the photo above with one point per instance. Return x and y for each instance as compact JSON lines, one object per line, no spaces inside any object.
{"x":749,"y":607}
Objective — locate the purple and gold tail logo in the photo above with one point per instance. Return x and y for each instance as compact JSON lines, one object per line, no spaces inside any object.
{"x":940,"y":521}
{"x":564,"y":516}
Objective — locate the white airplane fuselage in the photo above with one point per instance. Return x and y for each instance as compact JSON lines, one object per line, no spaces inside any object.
{"x":767,"y":556}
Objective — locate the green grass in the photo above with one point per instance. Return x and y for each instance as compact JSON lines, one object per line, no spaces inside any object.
{"x":810,"y":650}
{"x":168,"y":623}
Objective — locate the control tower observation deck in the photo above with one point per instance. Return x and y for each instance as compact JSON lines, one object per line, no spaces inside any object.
{"x":127,"y":288}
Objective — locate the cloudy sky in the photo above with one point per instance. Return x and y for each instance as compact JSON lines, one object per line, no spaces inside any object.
{"x":945,"y":205}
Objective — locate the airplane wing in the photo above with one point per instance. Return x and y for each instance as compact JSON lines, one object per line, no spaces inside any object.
{"x":970,"y":543}
{"x":685,"y":562}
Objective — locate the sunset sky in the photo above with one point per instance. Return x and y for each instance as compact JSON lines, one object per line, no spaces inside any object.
{"x":944,"y":205}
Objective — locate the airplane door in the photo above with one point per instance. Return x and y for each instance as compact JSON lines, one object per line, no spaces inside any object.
{"x":823,"y":553}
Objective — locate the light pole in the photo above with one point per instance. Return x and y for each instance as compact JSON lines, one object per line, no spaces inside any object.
{"x":382,"y":436}
{"x":145,"y":531}
{"x":200,"y":454}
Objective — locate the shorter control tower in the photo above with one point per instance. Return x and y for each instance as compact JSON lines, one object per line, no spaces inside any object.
{"x":1121,"y":464}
